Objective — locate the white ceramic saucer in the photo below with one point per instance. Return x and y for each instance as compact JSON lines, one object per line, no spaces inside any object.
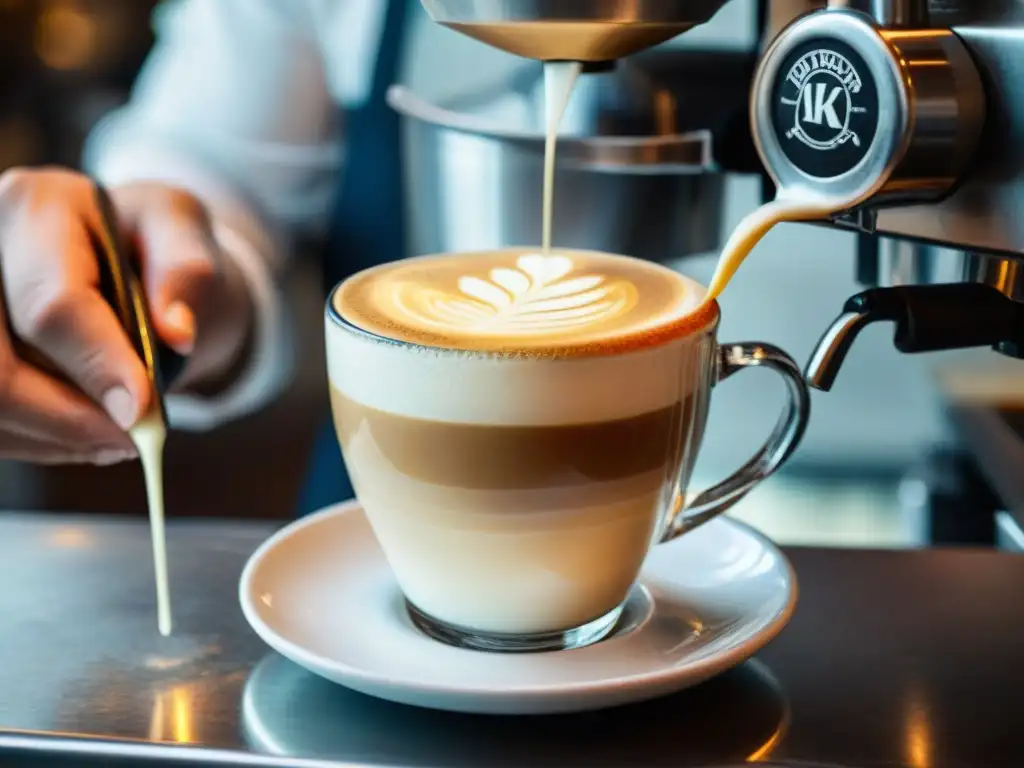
{"x":320,"y":593}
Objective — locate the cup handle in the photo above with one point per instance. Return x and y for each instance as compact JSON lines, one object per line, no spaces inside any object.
{"x":784,"y":439}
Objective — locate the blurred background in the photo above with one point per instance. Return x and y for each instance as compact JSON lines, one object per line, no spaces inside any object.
{"x":64,"y":63}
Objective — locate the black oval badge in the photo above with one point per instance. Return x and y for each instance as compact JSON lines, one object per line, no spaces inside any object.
{"x":825,"y":108}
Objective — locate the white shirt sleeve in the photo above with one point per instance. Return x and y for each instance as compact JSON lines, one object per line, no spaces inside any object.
{"x":240,"y":103}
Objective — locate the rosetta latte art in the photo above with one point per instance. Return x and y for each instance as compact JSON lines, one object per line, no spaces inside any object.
{"x":514,"y":301}
{"x":540,"y":295}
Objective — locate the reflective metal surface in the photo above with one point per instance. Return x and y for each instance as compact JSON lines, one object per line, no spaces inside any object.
{"x":1005,"y":275}
{"x":80,"y":649}
{"x":893,"y":658}
{"x":902,"y":114}
{"x":830,"y":352}
{"x":585,"y":30}
{"x":902,"y":262}
{"x":633,"y":134}
{"x":982,"y":213}
{"x":288,"y":711}
{"x":474,"y":168}
{"x":894,"y":263}
{"x":884,"y":261}
{"x":889,"y":13}
{"x":928,"y":115}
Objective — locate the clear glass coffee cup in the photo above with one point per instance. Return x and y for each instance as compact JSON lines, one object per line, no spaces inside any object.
{"x":520,"y":430}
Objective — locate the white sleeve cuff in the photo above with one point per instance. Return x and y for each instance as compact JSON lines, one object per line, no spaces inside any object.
{"x":271,"y":360}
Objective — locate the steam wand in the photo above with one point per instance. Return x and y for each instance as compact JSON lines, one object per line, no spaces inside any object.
{"x":928,"y":318}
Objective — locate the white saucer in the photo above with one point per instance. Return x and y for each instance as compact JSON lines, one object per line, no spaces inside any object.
{"x":320,"y":593}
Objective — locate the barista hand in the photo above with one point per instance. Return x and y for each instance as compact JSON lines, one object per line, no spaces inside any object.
{"x":198,"y":302}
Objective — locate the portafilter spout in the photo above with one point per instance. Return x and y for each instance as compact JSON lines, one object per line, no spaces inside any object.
{"x":572,"y":30}
{"x":927,"y":318}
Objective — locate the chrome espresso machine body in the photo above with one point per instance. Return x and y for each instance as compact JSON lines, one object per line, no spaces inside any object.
{"x":908,"y":114}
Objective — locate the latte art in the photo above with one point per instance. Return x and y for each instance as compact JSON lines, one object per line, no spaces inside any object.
{"x":520,"y":301}
{"x":539,"y":295}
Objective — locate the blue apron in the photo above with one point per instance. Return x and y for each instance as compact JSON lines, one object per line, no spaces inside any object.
{"x":367,"y":227}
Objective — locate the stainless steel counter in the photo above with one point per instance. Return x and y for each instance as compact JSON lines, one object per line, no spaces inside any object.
{"x":893,"y":658}
{"x":79,"y":649}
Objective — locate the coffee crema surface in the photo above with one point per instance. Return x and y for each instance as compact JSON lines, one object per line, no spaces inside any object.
{"x":521,"y":301}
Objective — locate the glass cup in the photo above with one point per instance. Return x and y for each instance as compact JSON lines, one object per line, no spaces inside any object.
{"x":516,"y":497}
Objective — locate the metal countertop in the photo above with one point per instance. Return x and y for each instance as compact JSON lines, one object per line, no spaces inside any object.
{"x":893,"y":658}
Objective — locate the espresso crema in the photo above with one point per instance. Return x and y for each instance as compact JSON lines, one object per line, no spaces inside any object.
{"x":517,"y":301}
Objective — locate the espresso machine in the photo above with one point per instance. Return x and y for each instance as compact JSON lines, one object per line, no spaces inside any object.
{"x":905,"y":112}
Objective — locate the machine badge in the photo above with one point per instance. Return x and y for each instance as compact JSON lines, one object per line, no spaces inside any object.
{"x":827,"y":87}
{"x":825,"y":109}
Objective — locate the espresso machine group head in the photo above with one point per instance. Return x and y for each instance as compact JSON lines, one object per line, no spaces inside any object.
{"x":907,"y":116}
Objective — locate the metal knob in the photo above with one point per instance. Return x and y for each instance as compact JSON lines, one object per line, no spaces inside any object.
{"x":852,"y":112}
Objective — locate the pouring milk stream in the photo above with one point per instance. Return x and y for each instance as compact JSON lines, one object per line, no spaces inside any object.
{"x":149,"y":435}
{"x":754,"y":226}
{"x":559,"y":80}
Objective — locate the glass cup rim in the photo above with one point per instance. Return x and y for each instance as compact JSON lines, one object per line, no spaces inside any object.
{"x":334,"y":315}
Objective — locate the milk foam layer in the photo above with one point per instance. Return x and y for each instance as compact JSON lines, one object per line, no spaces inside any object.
{"x":466,"y":388}
{"x":515,"y":301}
